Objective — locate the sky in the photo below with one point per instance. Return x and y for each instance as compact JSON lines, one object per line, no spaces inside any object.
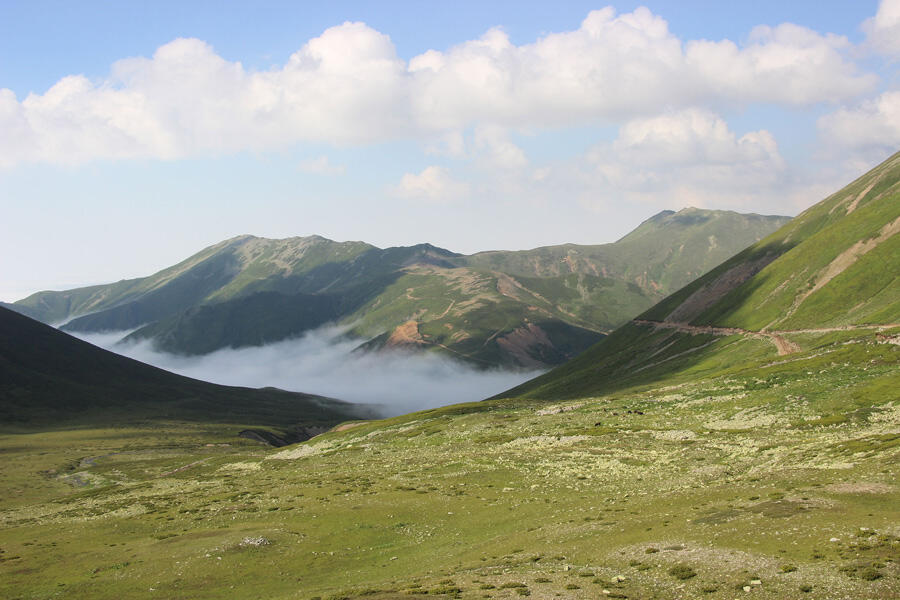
{"x":133,"y":134}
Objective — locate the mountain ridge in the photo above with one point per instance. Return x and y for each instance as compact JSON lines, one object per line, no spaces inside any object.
{"x":834,"y":268}
{"x":530,"y":308}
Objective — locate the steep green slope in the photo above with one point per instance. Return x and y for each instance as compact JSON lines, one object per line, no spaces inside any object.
{"x":485,"y":318}
{"x":833,"y":270}
{"x":237,"y":266}
{"x":661,"y":255}
{"x":252,"y":320}
{"x":518,"y":309}
{"x":50,"y":379}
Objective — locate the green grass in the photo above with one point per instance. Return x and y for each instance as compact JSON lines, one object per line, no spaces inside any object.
{"x":710,"y":476}
{"x":657,"y":465}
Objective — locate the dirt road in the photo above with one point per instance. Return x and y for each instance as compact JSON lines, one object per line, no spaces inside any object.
{"x":782,"y":344}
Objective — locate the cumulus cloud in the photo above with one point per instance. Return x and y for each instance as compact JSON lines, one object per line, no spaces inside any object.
{"x":497,"y":150}
{"x":324,"y":362}
{"x":868,"y":132}
{"x":321,"y":166}
{"x":687,"y":158}
{"x":788,"y":64}
{"x":348,"y":86}
{"x":875,"y":122}
{"x":433,"y":184}
{"x":615,"y":66}
{"x":883,"y":30}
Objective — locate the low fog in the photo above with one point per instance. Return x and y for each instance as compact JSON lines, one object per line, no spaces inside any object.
{"x":323,"y":362}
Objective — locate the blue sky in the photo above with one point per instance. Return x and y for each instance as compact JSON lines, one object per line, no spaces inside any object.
{"x":42,"y":41}
{"x":134,"y":134}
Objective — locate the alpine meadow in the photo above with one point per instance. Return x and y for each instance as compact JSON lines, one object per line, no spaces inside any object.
{"x":700,"y":336}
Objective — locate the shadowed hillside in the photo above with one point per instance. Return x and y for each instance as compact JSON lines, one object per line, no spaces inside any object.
{"x":50,"y":379}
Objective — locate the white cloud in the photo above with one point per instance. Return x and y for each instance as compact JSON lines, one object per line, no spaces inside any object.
{"x":321,"y":166}
{"x":686,"y":158}
{"x":883,"y":30}
{"x":324,"y":362}
{"x":615,"y":66}
{"x":434,"y":184}
{"x":865,"y":134}
{"x":348,"y":86}
{"x":498,"y":151}
{"x":787,"y":64}
{"x":451,"y":144}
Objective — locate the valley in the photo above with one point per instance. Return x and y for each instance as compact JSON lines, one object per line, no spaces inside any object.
{"x":449,"y":301}
{"x":765,"y":474}
{"x":738,"y":439}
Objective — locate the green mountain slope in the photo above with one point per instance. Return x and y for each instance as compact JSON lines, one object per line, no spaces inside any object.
{"x":832,"y":273}
{"x":48,"y":378}
{"x":237,"y":266}
{"x":661,"y":255}
{"x":518,"y":309}
{"x":716,"y":468}
{"x":679,"y":458}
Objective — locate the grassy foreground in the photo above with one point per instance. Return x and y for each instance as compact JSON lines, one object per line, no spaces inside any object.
{"x":776,"y":478}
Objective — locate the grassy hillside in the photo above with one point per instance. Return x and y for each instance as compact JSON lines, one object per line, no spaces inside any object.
{"x":515,"y":309}
{"x":661,"y":255}
{"x":831,"y":272}
{"x":50,"y":379}
{"x":221,"y":271}
{"x":679,"y":458}
{"x":778,"y":478}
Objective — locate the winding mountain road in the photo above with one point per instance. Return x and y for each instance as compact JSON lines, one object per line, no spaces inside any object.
{"x":784,"y":345}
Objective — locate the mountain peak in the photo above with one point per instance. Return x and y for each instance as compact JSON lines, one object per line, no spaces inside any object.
{"x":828,"y":270}
{"x":241,"y":238}
{"x":660,"y":216}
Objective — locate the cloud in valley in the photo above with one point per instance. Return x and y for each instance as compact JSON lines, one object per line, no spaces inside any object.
{"x":323,"y":362}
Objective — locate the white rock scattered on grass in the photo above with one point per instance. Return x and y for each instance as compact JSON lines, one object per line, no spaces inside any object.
{"x":619,"y":578}
{"x":834,"y":540}
{"x":747,"y":588}
{"x":255,"y":541}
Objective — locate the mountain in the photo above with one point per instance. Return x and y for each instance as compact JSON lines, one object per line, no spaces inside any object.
{"x":829,"y":276}
{"x":48,"y":378}
{"x":685,"y":456}
{"x":738,"y":439}
{"x":517,"y":309}
{"x":664,"y":253}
